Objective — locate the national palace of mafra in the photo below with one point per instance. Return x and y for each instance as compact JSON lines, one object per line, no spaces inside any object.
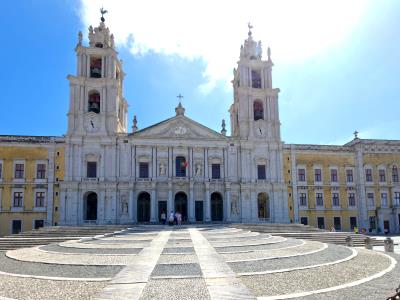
{"x":100,"y":172}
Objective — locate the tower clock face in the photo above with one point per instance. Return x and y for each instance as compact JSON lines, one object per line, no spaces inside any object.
{"x":92,"y":123}
{"x":259,"y":129}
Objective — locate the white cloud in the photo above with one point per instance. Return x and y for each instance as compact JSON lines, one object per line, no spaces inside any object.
{"x":214,"y":30}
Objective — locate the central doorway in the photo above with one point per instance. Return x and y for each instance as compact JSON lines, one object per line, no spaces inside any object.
{"x":181,"y":205}
{"x":91,"y":207}
{"x":143,"y":207}
{"x":217,"y":207}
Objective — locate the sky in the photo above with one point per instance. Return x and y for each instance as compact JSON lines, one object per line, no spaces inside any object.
{"x":335,"y":62}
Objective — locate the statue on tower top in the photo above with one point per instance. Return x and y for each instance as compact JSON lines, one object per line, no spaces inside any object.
{"x":251,"y":49}
{"x":103,"y":12}
{"x":100,"y":37}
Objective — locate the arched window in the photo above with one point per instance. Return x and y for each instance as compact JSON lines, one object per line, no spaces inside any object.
{"x":95,"y":67}
{"x":181,"y":165}
{"x":395,"y":174}
{"x":94,"y":102}
{"x":255,"y":79}
{"x":258,"y":110}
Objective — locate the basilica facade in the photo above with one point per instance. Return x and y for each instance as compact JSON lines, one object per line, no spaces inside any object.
{"x":104,"y":171}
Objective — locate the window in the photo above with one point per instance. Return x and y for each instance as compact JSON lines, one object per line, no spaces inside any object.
{"x":215,"y":171}
{"x":395,"y":174}
{"x":261,"y":172}
{"x":144,"y":170}
{"x":91,"y":169}
{"x":39,"y":201}
{"x":384,"y":200}
{"x":382,"y":176}
{"x":352,"y":199}
{"x":301,"y":174}
{"x":335,"y":199}
{"x":349,"y":175}
{"x":321,"y":222}
{"x":337,"y":223}
{"x":95,"y":67}
{"x":19,"y":171}
{"x":180,"y":165}
{"x":370,"y":197}
{"x":317,"y":175}
{"x":334,"y":177}
{"x":396,"y":199}
{"x":353,"y":222}
{"x":319,"y":199}
{"x":255,"y":79}
{"x":18,"y":199}
{"x":304,"y":220}
{"x":94,"y":102}
{"x":38,"y":224}
{"x":41,"y":171}
{"x":368,"y":175}
{"x":258,"y":110}
{"x":303,"y":199}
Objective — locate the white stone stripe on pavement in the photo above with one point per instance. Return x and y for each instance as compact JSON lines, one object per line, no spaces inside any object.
{"x":130,"y":282}
{"x":221,"y":281}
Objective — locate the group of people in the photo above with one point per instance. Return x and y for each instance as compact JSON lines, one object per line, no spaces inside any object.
{"x":173,"y":218}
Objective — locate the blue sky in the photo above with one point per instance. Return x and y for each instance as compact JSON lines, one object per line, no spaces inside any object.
{"x":332,"y":81}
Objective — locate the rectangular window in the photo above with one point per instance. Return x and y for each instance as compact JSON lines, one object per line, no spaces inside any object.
{"x":91,"y":169}
{"x":301,"y":175}
{"x":395,"y":174}
{"x":144,"y":170}
{"x":352,"y":199}
{"x":321,"y":222}
{"x":215,"y":171}
{"x":180,"y":167}
{"x":304,"y":220}
{"x":261,"y":172}
{"x":384,"y":200}
{"x":18,"y":199}
{"x":368,"y":175}
{"x":349,"y":175}
{"x":317,"y":175}
{"x":334,"y":177}
{"x":353,"y":222}
{"x":303,"y":199}
{"x":39,"y":201}
{"x":41,"y":171}
{"x":337,"y":224}
{"x":396,"y":199}
{"x":382,"y":176}
{"x":38,"y":224}
{"x":319,"y":199}
{"x":19,"y":171}
{"x":370,"y":197}
{"x":335,"y":199}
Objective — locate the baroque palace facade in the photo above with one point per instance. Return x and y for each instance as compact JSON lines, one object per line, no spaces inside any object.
{"x":99,"y":173}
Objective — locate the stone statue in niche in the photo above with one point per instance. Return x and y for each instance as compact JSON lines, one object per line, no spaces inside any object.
{"x":162,"y":169}
{"x":124,"y":205}
{"x":234,"y":205}
{"x":198,"y":170}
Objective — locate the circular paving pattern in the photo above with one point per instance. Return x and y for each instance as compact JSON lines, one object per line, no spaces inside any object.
{"x":195,"y":262}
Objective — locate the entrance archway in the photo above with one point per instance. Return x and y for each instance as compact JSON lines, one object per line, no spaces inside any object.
{"x":143,"y":207}
{"x":91,"y":206}
{"x":181,"y":204}
{"x":217,"y":207}
{"x":263,"y":206}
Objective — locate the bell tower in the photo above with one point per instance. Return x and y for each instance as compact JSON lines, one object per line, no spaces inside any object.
{"x":97,"y":105}
{"x":254,"y":112}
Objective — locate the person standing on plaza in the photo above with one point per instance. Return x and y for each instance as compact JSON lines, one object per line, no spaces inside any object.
{"x":163,"y":217}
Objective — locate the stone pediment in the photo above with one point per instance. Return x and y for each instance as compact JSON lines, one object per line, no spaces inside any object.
{"x":179,"y":127}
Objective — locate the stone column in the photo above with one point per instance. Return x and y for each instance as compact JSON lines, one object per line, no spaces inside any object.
{"x":207,"y":208}
{"x":134,"y":206}
{"x":130,"y":206}
{"x":153,"y":202}
{"x":170,"y":206}
{"x":227,"y":205}
{"x":191,"y":202}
